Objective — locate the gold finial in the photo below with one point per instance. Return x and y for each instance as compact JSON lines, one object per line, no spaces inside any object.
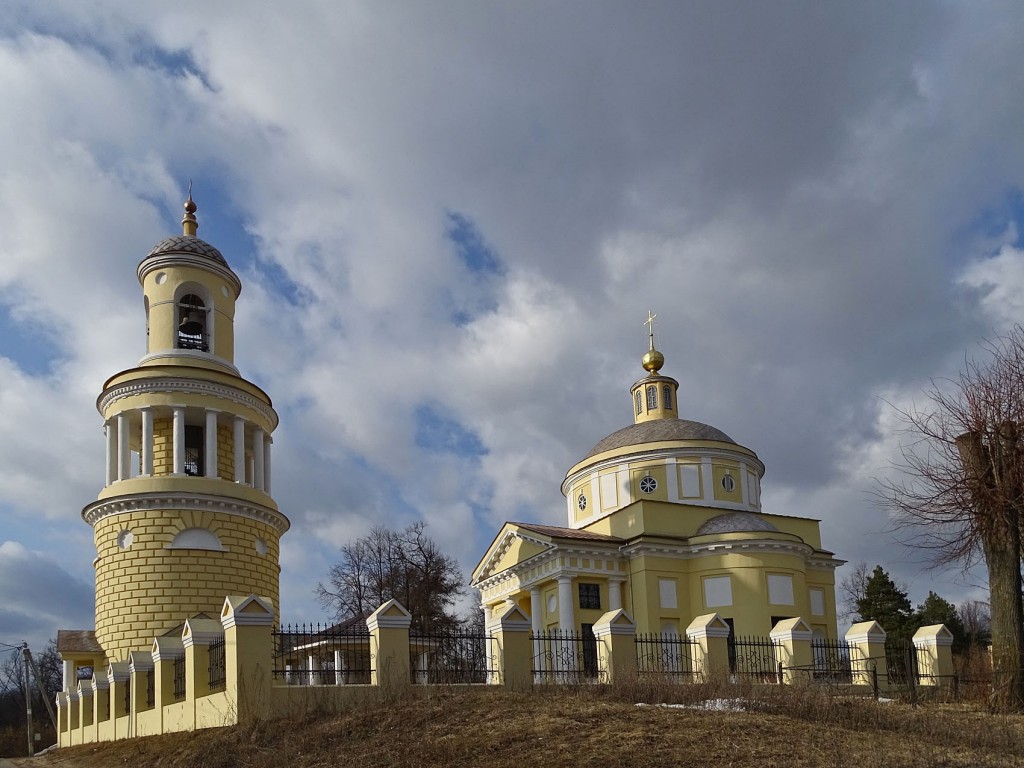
{"x":653,"y":360}
{"x":189,"y":225}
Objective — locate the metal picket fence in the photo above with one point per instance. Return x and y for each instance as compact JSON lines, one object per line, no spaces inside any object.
{"x":563,"y":656}
{"x":451,"y":657}
{"x":322,"y":655}
{"x":669,"y":655}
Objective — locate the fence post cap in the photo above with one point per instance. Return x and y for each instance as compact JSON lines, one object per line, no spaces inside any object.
{"x":616,"y":622}
{"x":84,"y":688}
{"x":708,"y":625}
{"x":933,"y":634}
{"x":201,"y":631}
{"x":252,"y":610}
{"x":513,"y":620}
{"x":865,"y":631}
{"x":391,"y":615}
{"x":791,"y":629}
{"x":167,"y":648}
{"x":99,"y":681}
{"x":118,"y":671}
{"x":140,"y":661}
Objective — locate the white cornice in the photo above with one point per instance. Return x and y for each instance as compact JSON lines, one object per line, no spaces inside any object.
{"x":144,"y":502}
{"x":187,"y":386}
{"x":190,"y":354}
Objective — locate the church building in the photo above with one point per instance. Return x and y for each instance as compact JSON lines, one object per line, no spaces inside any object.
{"x":663,"y":520}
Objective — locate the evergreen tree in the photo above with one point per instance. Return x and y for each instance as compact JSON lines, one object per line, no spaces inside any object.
{"x":936,"y":610}
{"x":883,"y":601}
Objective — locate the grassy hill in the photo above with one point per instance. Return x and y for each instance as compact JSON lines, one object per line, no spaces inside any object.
{"x":582,"y":727}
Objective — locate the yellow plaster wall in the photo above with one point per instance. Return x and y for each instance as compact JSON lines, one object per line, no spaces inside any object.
{"x":163,"y":314}
{"x":146,"y":589}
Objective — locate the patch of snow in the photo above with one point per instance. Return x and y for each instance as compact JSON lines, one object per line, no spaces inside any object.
{"x":708,"y":705}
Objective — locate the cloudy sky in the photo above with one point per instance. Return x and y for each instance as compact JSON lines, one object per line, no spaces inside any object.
{"x":451,"y":219}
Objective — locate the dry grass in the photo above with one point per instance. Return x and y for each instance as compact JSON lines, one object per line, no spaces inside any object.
{"x":790,"y":726}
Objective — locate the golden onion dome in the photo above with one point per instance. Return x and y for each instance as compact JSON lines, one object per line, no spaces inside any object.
{"x":653,"y":360}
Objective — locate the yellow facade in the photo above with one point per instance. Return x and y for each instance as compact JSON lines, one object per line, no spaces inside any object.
{"x":185,"y":515}
{"x":665,"y":523}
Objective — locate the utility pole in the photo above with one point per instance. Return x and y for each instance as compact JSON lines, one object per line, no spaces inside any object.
{"x":28,"y":700}
{"x":42,"y":688}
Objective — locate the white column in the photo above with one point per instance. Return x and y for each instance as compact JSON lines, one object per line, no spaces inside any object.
{"x":178,"y":449}
{"x":239,"y":449}
{"x":147,"y":441}
{"x":565,"y":607}
{"x":210,"y":433}
{"x":614,"y":594}
{"x":339,"y":666}
{"x":124,"y":455}
{"x":267,"y":442}
{"x":488,"y":646}
{"x":257,"y":459}
{"x":69,"y":675}
{"x":111,"y":434}
{"x":314,"y":670}
{"x":537,"y":626}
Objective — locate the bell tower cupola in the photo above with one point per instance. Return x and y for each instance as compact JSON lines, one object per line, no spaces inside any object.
{"x":190,"y":293}
{"x":654,"y":396}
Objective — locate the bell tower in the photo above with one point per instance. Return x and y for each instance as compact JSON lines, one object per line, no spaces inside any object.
{"x":185,"y":516}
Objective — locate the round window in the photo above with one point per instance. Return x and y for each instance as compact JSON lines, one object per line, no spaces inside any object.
{"x":648,"y":484}
{"x":125,"y":539}
{"x":161,"y":278}
{"x":581,"y":502}
{"x":261,"y":547}
{"x":728,"y":483}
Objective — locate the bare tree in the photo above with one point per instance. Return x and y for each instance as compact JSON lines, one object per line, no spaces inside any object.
{"x":962,"y":490}
{"x":403,"y":565}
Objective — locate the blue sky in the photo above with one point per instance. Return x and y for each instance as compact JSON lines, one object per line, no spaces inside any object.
{"x":450,"y":222}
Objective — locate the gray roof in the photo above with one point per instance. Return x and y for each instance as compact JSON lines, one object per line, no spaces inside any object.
{"x":187,"y":244}
{"x":659,"y":430}
{"x":567,"y":533}
{"x":735,"y":522}
{"x":77,"y":641}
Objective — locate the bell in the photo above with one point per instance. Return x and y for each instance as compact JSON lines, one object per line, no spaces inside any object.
{"x":191,"y":323}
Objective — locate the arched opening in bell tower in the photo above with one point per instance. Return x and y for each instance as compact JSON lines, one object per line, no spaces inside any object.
{"x":192,"y":324}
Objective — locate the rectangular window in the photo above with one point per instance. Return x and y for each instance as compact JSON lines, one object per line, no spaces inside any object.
{"x":667,"y":593}
{"x":780,"y":589}
{"x":652,"y":398}
{"x":669,"y":627}
{"x":590,"y":596}
{"x":817,"y":602}
{"x":717,"y":591}
{"x":689,"y":477}
{"x":666,"y":396}
{"x":194,"y":445}
{"x":639,"y":403}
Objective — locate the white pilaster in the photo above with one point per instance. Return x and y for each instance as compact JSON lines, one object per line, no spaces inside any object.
{"x":178,"y":447}
{"x":257,"y":459}
{"x":239,"y":449}
{"x":124,"y":455}
{"x":210,"y":433}
{"x":111,"y":434}
{"x":566,"y":614}
{"x":147,"y":441}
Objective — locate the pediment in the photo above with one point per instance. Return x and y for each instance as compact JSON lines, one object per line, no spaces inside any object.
{"x":510,"y":548}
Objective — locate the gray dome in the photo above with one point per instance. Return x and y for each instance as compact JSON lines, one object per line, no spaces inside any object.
{"x":190,"y":245}
{"x":659,"y":430}
{"x":735,"y":522}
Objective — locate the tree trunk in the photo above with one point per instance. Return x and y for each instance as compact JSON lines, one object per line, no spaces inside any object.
{"x":1002,"y":554}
